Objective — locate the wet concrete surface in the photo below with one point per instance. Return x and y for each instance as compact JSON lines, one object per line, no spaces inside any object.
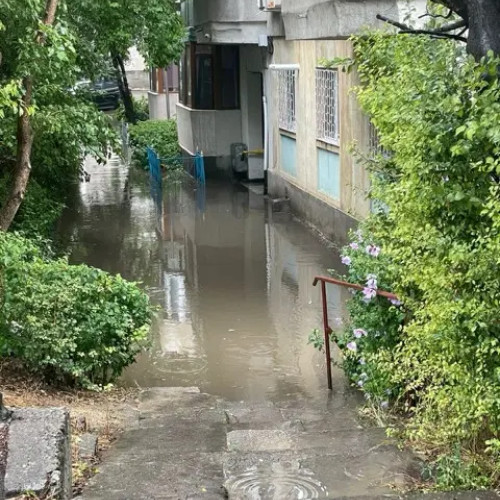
{"x":234,"y":286}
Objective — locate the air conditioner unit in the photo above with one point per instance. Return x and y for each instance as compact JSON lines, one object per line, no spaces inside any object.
{"x":270,"y":5}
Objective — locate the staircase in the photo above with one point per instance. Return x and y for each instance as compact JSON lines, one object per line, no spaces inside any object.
{"x":183,"y":444}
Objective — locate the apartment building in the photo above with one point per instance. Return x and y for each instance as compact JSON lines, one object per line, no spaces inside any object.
{"x":257,"y":99}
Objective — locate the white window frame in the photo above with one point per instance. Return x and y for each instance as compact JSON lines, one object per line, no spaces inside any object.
{"x":287,"y":84}
{"x":327,"y":105}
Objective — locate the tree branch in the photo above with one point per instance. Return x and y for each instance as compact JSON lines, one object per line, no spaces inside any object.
{"x":436,"y":16}
{"x":451,"y":27}
{"x":438,"y":32}
{"x":399,"y":25}
{"x":435,"y":34}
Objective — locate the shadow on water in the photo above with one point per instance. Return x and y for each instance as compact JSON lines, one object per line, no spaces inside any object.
{"x":233,"y":282}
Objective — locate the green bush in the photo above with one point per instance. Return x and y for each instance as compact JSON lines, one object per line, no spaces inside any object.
{"x":436,"y":359}
{"x":161,"y":135}
{"x":141,"y":109}
{"x":72,"y":324}
{"x":38,"y":212}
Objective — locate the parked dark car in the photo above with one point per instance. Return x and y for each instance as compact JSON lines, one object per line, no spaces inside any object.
{"x":104,"y":92}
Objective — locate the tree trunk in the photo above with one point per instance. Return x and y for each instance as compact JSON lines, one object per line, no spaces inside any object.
{"x":483,"y":21}
{"x":121,"y":76}
{"x":484,"y":27}
{"x":22,"y":169}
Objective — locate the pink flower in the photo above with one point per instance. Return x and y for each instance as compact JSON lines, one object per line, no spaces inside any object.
{"x":352,"y":346}
{"x":346,"y":260}
{"x":395,"y":302}
{"x":354,"y":245}
{"x":371,"y":281}
{"x":369,"y":294}
{"x":359,"y":332}
{"x":373,"y":250}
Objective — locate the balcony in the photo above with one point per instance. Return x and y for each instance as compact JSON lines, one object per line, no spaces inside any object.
{"x":223,"y":21}
{"x":210,"y":131}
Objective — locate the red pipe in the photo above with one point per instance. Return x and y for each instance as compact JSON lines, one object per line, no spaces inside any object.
{"x":327,"y":331}
{"x":345,"y":284}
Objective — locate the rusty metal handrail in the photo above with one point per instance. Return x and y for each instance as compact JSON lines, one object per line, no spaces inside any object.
{"x":326,"y":327}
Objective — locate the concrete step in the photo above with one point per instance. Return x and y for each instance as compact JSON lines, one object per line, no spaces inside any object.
{"x":307,"y":474}
{"x":333,"y":416}
{"x":276,"y":464}
{"x":173,"y":448}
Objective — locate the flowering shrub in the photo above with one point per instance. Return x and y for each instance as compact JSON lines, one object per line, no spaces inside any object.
{"x":373,"y":331}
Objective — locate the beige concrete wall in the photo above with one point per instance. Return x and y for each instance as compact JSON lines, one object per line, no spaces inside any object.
{"x":353,"y":125}
{"x":209,"y":131}
{"x":233,"y":21}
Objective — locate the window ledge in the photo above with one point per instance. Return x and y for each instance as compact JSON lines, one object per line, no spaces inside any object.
{"x":328,"y":146}
{"x":288,"y":133}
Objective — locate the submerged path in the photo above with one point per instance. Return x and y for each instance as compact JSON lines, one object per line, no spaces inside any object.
{"x":235,"y":402}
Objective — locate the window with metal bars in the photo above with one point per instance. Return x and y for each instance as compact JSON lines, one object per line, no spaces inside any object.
{"x":327,"y":105}
{"x":374,"y":143}
{"x":287,"y":95}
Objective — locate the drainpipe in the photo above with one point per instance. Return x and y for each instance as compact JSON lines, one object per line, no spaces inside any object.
{"x":266,"y":142}
{"x":167,"y":92}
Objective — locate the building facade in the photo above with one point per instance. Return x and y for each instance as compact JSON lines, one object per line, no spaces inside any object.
{"x":257,"y":99}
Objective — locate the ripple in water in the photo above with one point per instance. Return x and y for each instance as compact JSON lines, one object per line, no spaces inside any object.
{"x":279,"y":482}
{"x":183,"y":366}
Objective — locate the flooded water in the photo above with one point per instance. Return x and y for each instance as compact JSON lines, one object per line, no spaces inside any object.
{"x":233,"y":282}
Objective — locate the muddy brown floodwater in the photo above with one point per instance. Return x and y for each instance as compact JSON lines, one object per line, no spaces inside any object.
{"x":233,"y":282}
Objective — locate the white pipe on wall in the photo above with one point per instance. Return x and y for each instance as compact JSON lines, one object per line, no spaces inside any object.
{"x":266,"y":133}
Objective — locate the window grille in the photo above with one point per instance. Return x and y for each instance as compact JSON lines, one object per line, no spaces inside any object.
{"x":287,"y":90}
{"x":374,"y":143}
{"x":327,"y":105}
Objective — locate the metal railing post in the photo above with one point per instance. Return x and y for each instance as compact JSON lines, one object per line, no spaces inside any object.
{"x":327,"y":331}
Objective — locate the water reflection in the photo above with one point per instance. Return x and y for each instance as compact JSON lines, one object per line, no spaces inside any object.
{"x":233,"y":282}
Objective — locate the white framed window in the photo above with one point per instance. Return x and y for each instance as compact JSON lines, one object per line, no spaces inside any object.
{"x":287,"y":98}
{"x":327,"y":105}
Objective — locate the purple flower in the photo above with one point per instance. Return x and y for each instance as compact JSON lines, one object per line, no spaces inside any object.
{"x":395,"y":302}
{"x":362,"y":361}
{"x":352,"y":346}
{"x":369,"y":294}
{"x":361,"y":383}
{"x":384,"y":405}
{"x":346,"y":260}
{"x":354,"y":245}
{"x":359,"y":332}
{"x":371,"y":281}
{"x":373,"y":250}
